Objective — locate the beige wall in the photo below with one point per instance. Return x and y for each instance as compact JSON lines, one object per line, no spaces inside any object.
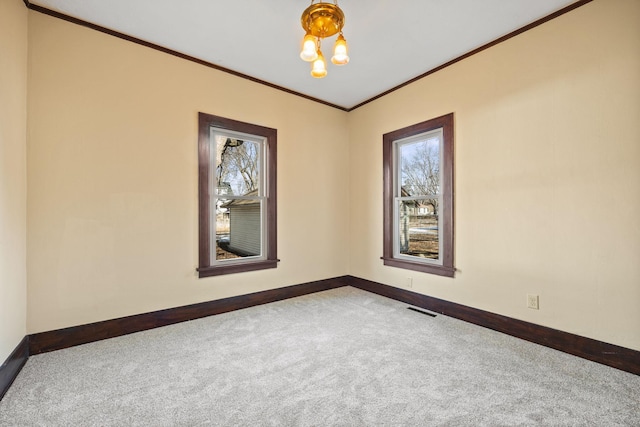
{"x":113,"y":178}
{"x":547,"y":176}
{"x":13,"y":173}
{"x":547,"y":190}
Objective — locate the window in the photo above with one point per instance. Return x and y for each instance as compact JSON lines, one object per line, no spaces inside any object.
{"x":237,"y":196}
{"x":418,"y":197}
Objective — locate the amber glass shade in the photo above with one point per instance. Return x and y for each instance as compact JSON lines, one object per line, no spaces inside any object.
{"x":319,"y":67}
{"x":340,"y":56}
{"x":309,"y":46}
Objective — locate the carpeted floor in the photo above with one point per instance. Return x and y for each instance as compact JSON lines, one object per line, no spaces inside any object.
{"x":343,"y":357}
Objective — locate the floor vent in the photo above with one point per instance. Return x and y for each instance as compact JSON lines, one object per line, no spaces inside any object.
{"x":420,"y":311}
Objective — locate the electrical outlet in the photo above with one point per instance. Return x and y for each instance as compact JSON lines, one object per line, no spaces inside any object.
{"x":409,"y":282}
{"x":533,"y":301}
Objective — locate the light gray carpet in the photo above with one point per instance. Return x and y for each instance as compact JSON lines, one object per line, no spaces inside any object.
{"x":343,"y":357}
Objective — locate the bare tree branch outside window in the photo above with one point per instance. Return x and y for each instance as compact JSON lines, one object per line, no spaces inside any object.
{"x":420,"y":169}
{"x":238,"y":167}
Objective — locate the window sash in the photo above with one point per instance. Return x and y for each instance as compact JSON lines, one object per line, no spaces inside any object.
{"x":215,"y":197}
{"x":398,"y":199}
{"x":254,"y":139}
{"x":400,"y":143}
{"x":397,"y":226}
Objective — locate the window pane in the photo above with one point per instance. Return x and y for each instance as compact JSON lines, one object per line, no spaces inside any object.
{"x":419,"y":165}
{"x":418,"y":228}
{"x":238,"y":228}
{"x":237,"y":169}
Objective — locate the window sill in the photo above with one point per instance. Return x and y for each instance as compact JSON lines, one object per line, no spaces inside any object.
{"x":440,"y":270}
{"x":237,"y":268}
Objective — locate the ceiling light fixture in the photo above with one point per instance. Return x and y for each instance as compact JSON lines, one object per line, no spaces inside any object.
{"x":321,"y":20}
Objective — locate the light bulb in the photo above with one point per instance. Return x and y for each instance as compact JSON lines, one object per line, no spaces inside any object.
{"x":340,"y":56}
{"x":319,"y":67}
{"x":309,"y":48}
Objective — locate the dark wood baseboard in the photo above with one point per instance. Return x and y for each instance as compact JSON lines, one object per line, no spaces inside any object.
{"x":607,"y":354}
{"x":68,"y":337}
{"x":12,"y":366}
{"x":597,"y":351}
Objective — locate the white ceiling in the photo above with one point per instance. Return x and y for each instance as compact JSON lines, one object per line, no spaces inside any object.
{"x":390,"y":41}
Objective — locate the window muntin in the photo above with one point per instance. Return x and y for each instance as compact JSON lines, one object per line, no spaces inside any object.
{"x":418,"y":197}
{"x":237,"y":196}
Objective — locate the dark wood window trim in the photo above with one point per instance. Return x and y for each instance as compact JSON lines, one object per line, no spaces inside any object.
{"x":446,"y":245}
{"x":205,"y":123}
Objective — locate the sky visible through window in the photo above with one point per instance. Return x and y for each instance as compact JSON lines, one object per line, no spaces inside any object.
{"x":420,"y":166}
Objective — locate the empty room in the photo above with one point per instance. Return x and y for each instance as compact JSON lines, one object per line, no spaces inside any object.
{"x":320,"y":213}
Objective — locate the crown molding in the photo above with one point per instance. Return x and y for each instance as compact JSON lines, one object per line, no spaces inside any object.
{"x":101,"y":29}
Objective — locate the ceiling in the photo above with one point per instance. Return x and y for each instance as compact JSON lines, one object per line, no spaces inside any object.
{"x":390,"y":41}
